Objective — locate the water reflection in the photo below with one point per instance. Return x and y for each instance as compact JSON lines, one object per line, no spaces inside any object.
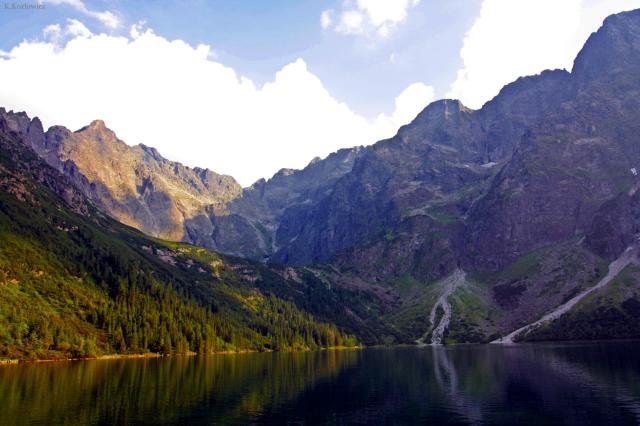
{"x":587,"y":383}
{"x":523,"y":384}
{"x":161,"y":391}
{"x":447,"y":377}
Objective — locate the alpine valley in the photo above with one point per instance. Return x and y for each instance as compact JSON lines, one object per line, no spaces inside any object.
{"x":518,"y":221}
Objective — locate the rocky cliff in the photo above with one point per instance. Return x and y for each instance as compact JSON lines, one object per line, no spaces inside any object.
{"x":482,"y":188}
{"x":139,"y":187}
{"x":134,"y":184}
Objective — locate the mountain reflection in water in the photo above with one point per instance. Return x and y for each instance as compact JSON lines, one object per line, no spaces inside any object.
{"x":587,"y":383}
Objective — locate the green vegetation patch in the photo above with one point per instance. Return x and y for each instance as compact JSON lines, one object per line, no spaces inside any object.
{"x":469,"y":313}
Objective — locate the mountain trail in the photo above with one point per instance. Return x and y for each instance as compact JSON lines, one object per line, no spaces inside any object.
{"x":630,"y":255}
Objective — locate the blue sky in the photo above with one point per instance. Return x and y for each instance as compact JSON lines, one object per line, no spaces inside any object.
{"x":256,"y":85}
{"x":258,"y":37}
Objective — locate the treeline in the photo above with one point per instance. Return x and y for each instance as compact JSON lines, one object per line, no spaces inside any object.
{"x":136,"y":323}
{"x":289,"y":328}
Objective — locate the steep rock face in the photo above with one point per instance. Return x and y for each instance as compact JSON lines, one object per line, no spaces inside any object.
{"x":16,"y":128}
{"x":616,"y":225}
{"x":415,"y":173}
{"x":135,"y":185}
{"x":139,"y":187}
{"x":267,"y":200}
{"x":578,"y":157}
{"x":482,"y":188}
{"x":610,"y":53}
{"x":433,"y":170}
{"x":289,"y":194}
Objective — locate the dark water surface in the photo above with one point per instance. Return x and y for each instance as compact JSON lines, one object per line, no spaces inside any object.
{"x":579,"y":384}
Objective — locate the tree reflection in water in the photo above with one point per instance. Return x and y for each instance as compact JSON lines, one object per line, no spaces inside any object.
{"x":593,"y":383}
{"x":161,"y":391}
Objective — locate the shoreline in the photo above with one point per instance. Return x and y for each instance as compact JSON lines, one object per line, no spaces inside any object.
{"x":7,"y":362}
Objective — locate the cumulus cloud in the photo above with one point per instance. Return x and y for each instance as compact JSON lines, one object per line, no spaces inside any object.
{"x":511,"y":38}
{"x":107,"y":18}
{"x":57,"y":35}
{"x":407,"y":105}
{"x":372,"y":17}
{"x":76,"y":28}
{"x":326,"y":19}
{"x":177,"y":98}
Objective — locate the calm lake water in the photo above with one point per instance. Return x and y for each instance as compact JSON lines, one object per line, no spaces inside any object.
{"x":581,"y":384}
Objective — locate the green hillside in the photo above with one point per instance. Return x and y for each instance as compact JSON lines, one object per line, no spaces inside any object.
{"x":74,"y":283}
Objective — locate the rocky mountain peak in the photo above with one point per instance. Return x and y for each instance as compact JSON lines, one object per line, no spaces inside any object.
{"x":98,"y":131}
{"x":134,"y":184}
{"x":97,"y":124}
{"x":284,"y":172}
{"x":314,"y":160}
{"x":14,"y":122}
{"x":152,"y":152}
{"x":612,"y":50}
{"x":19,"y":123}
{"x":442,"y":110}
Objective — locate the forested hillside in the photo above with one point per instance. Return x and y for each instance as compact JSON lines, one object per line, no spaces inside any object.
{"x":75,"y":283}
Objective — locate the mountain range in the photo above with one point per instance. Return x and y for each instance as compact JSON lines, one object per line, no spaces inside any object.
{"x":463,"y":227}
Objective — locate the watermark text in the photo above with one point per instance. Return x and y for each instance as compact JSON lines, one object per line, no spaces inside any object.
{"x":23,"y":6}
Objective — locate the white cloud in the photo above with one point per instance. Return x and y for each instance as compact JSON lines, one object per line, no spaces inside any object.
{"x":52,"y":32}
{"x":57,"y":35}
{"x":107,"y":18}
{"x":326,"y":19}
{"x":382,"y":12}
{"x":76,"y":28}
{"x":408,"y":104}
{"x":372,"y":17}
{"x":351,"y":22}
{"x":173,"y":96}
{"x":511,"y":38}
{"x":137,"y":29}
